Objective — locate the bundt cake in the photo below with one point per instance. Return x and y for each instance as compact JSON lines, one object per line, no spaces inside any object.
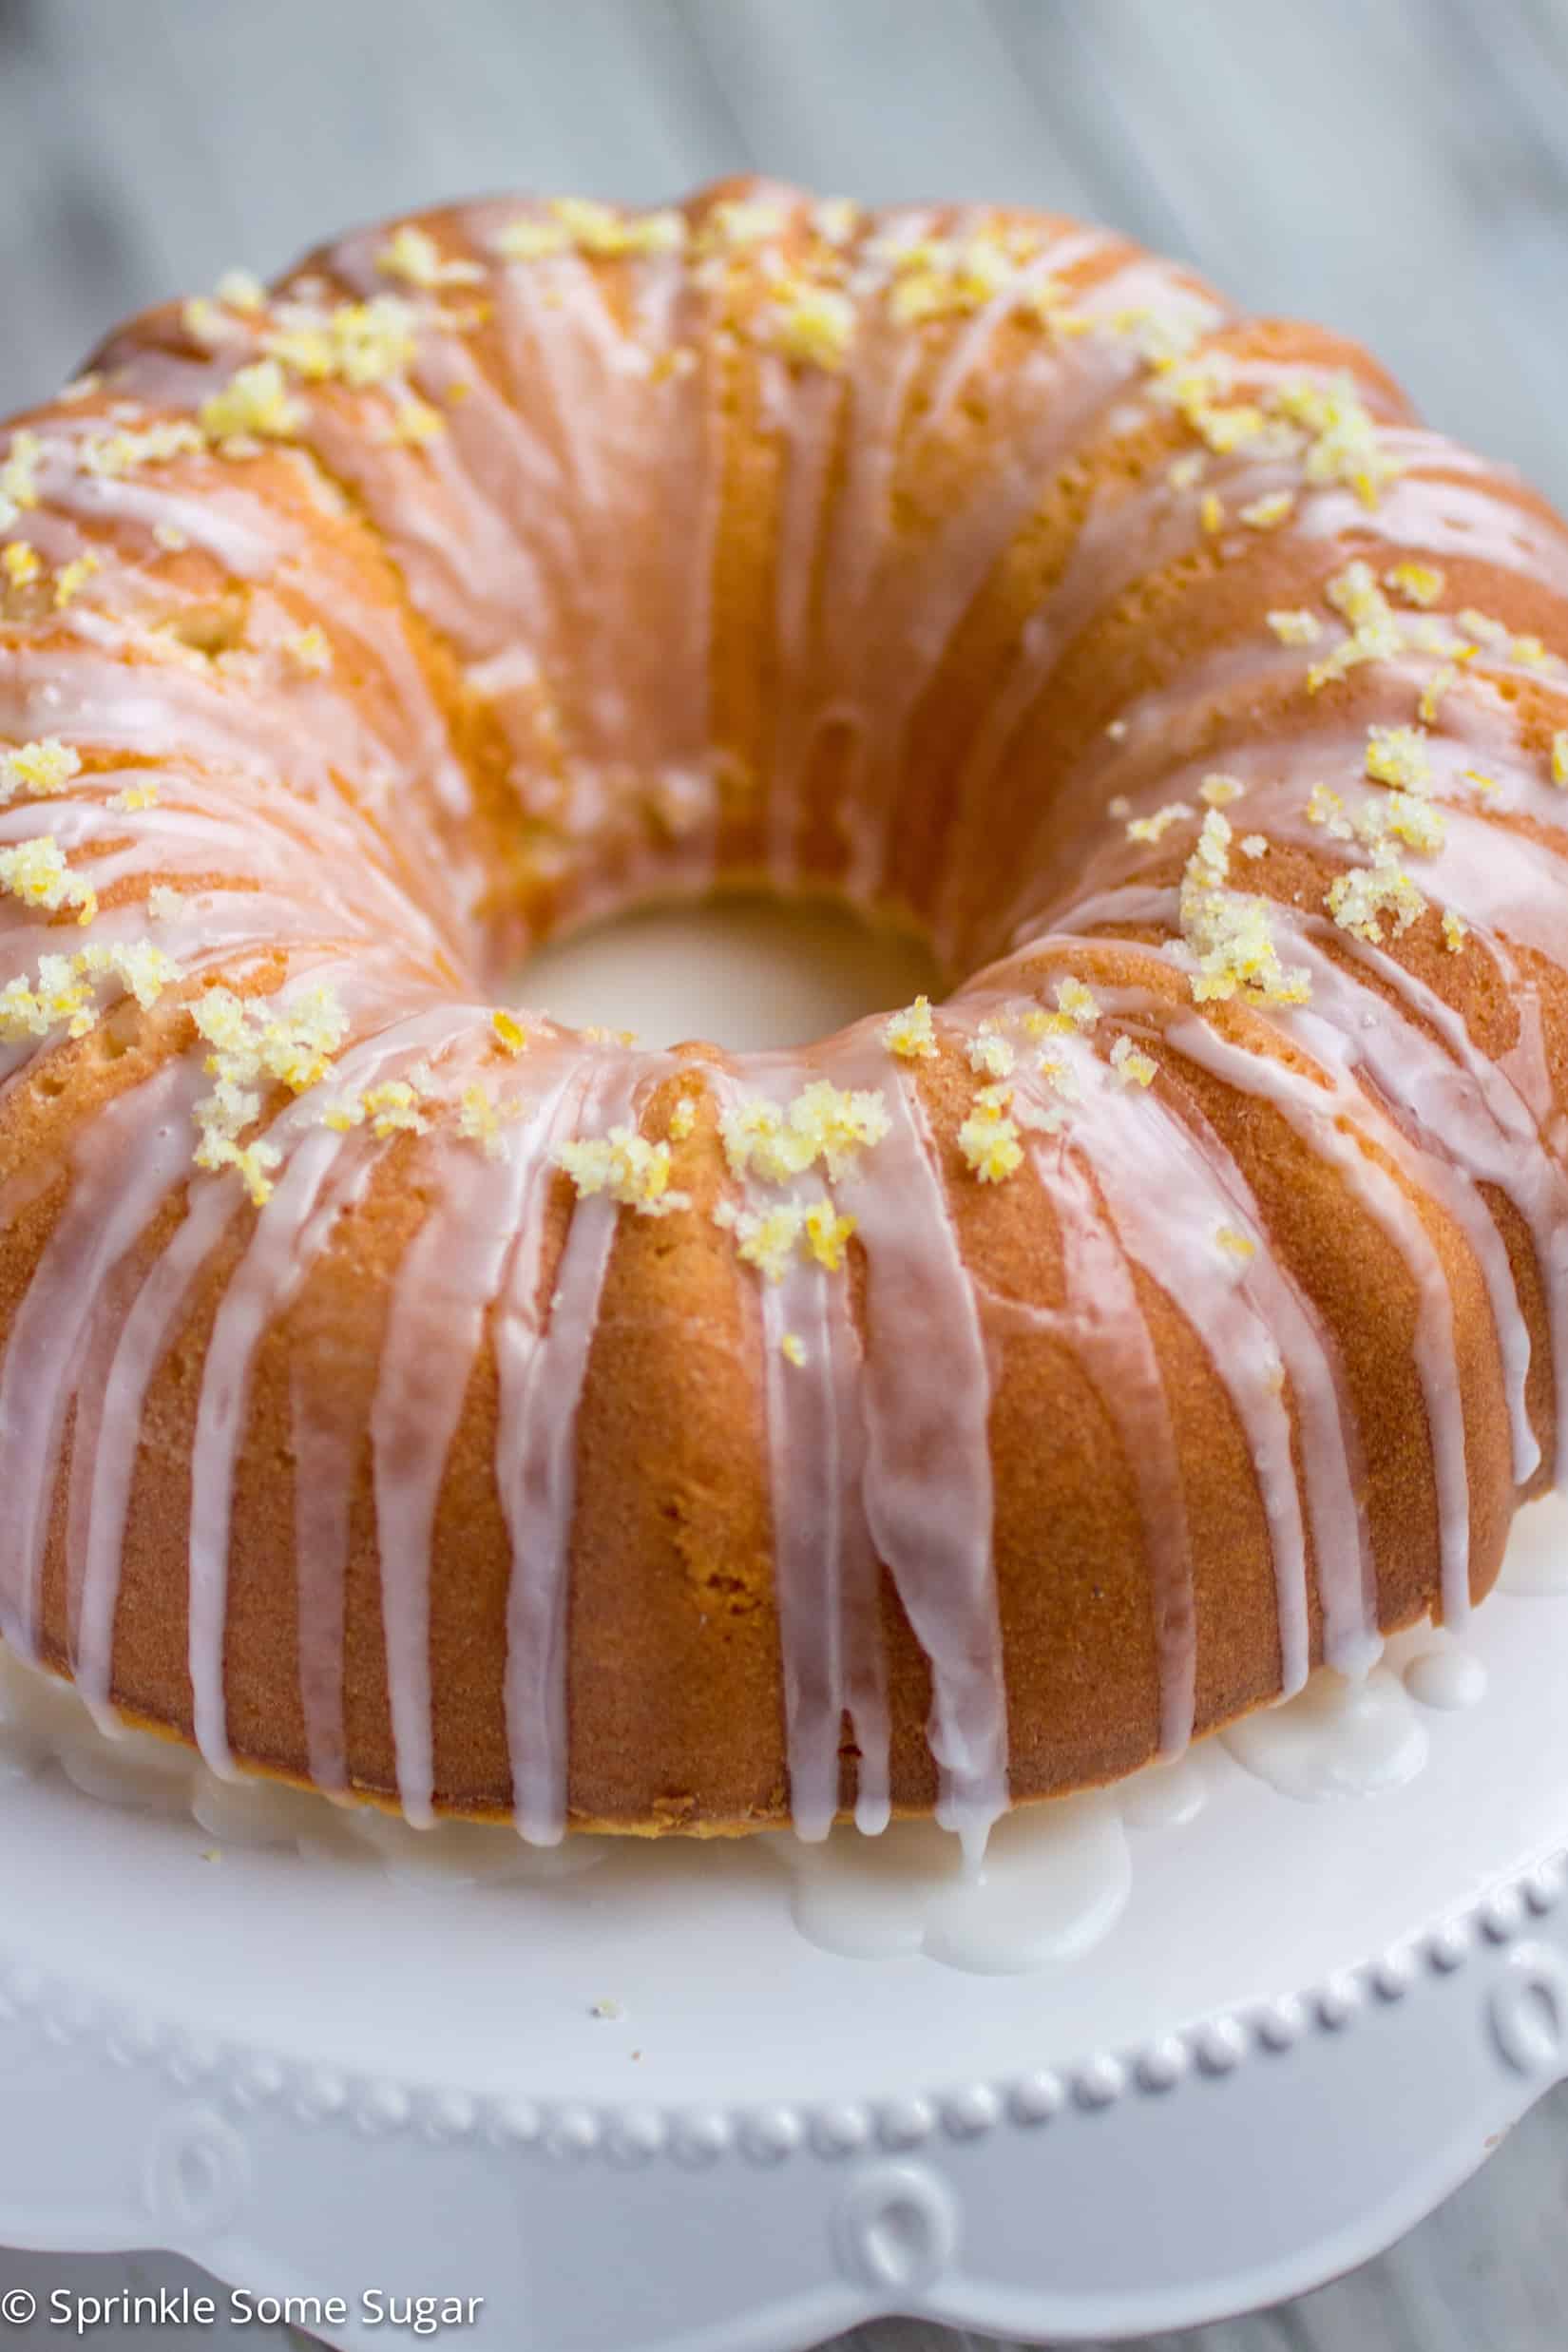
{"x":409,"y":1396}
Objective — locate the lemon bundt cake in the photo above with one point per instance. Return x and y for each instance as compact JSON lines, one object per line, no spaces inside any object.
{"x":409,"y":1396}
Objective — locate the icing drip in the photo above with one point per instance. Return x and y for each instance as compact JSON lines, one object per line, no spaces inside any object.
{"x":1260,"y":1334}
{"x":810,"y":410}
{"x":1330,"y":1113}
{"x":1102,"y":1315}
{"x":926,"y":1480}
{"x":541,"y":1354}
{"x":1444,"y":1099}
{"x":325,"y":1463}
{"x":1054,"y":1878}
{"x":1311,"y":1112}
{"x":1337,"y":1738}
{"x":290,"y":821}
{"x":125,"y":1161}
{"x":1165,"y":1796}
{"x":114,"y":1391}
{"x":108,"y":1436}
{"x":825,"y":1565}
{"x":1446,"y":1677}
{"x":878,"y":1452}
{"x":1474,"y":1123}
{"x":448,"y":1277}
{"x":1172,"y":1239}
{"x":325,"y":1172}
{"x":1473,"y":1113}
{"x":890,"y":601}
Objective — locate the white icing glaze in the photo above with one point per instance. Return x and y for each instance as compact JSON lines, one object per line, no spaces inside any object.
{"x":541,"y":1353}
{"x":447,"y":1279}
{"x":1337,"y":1738}
{"x":879,"y":1451}
{"x":125,"y":1162}
{"x":1165,"y":1796}
{"x":926,"y":1480}
{"x":1473,"y":1122}
{"x":1301,"y":1101}
{"x":1103,"y":1314}
{"x":825,"y":1561}
{"x":43,"y":1721}
{"x":1446,"y":1677}
{"x":1254,"y":1325}
{"x":1054,"y":1880}
{"x":324,"y":1175}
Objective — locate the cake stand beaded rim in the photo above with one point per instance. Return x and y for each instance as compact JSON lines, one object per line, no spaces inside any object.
{"x":870,"y":2162}
{"x":926,"y":2196}
{"x":1207,"y":2050}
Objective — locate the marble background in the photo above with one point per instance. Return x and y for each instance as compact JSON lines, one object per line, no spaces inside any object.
{"x":1396,"y":167}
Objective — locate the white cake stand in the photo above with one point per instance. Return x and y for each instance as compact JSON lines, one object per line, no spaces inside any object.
{"x":636,"y":2108}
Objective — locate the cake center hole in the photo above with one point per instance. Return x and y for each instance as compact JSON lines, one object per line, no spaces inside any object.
{"x":745,"y":972}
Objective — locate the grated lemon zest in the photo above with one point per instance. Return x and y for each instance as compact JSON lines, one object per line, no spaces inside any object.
{"x":19,"y":476}
{"x":1361,"y":901}
{"x":991,"y":1053}
{"x":411,"y":253}
{"x":1267,"y":513}
{"x":1397,"y":756}
{"x":580,"y":224}
{"x":911,"y":1034}
{"x":72,"y":577}
{"x":1422,"y":583}
{"x":253,"y":403}
{"x":988,"y":1139}
{"x":823,"y":1122}
{"x":36,"y":872}
{"x":257,"y":1043}
{"x":112,"y":456}
{"x":1132,"y":1065}
{"x":1230,"y":934}
{"x":623,"y":1164}
{"x":308,"y":650}
{"x":41,"y":769}
{"x":354,"y":343}
{"x":1153,"y":828}
{"x":1295,"y":627}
